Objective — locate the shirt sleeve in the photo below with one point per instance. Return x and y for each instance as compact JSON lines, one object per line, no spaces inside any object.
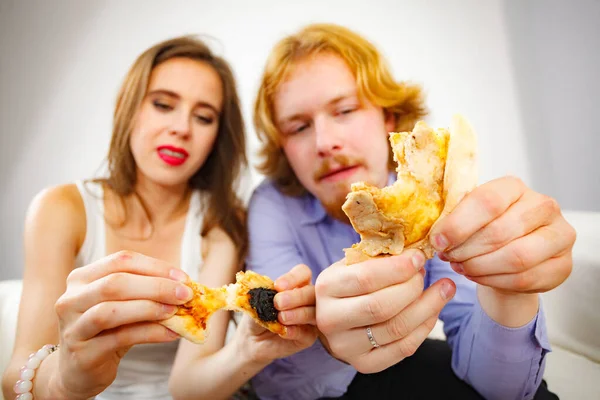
{"x":272,"y":246}
{"x":499,"y":362}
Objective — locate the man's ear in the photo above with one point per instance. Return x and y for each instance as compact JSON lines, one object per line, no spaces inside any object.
{"x":390,"y":121}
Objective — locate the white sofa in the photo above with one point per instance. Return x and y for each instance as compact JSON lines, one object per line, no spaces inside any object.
{"x":573,"y":367}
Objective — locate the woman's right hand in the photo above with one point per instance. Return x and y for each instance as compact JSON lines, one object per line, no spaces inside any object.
{"x":109,"y":306}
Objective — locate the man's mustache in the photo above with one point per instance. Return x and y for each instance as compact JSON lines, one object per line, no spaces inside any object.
{"x":341,"y":161}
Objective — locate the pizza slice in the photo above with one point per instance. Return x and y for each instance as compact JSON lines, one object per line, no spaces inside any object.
{"x":436,"y":169}
{"x":252,"y":294}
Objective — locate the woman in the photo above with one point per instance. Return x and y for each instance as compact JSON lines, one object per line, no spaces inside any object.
{"x":101,"y":256}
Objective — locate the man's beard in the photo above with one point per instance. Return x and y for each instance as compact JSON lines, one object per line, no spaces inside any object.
{"x":333,"y":206}
{"x":339,"y":190}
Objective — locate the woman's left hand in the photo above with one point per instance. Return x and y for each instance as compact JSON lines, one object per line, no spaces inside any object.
{"x":296,"y":305}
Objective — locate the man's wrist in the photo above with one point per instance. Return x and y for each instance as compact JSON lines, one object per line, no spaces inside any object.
{"x":508,"y":309}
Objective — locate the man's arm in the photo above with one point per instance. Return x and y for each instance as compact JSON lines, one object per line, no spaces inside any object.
{"x":498,"y":361}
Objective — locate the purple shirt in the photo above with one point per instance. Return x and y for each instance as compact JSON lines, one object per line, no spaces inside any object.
{"x":499,"y":362}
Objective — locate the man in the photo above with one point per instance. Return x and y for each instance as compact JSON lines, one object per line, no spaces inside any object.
{"x":324,"y":109}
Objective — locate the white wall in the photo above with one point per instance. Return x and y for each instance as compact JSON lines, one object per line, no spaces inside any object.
{"x":61,"y":63}
{"x":555,"y":45}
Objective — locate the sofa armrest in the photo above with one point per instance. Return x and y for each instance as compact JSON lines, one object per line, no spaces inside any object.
{"x":572,"y":316}
{"x":10,"y":295}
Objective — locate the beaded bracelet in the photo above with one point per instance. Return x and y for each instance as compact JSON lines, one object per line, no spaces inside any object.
{"x":24,"y":385}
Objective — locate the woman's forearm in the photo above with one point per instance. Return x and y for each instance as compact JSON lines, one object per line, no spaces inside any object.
{"x":215,"y":376}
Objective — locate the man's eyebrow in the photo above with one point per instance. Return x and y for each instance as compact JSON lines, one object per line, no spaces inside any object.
{"x":331,"y":102}
{"x":174,"y":95}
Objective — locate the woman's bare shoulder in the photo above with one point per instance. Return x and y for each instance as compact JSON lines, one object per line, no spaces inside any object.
{"x":60,"y":209}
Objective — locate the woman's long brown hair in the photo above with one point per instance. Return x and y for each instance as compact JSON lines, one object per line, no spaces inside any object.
{"x":220,"y":174}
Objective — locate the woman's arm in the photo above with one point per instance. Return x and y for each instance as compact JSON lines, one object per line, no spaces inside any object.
{"x":215,"y":370}
{"x":54,"y":231}
{"x":200,"y":370}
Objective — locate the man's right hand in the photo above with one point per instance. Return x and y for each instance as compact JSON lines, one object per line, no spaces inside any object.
{"x":386,"y":295}
{"x":109,"y":306}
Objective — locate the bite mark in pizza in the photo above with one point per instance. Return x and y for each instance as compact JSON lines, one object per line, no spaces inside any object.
{"x":436,"y":169}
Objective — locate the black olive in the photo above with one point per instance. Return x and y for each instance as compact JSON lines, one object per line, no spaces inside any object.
{"x":261,"y":300}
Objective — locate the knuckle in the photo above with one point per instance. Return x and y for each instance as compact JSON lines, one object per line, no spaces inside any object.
{"x":495,"y":234}
{"x":74,"y":276}
{"x":68,"y":340}
{"x":516,"y":181}
{"x":549,"y":204}
{"x":416,"y":286}
{"x":430,"y":323}
{"x":111,"y":285}
{"x":364,"y":281}
{"x":369,"y":365}
{"x":523,"y":282}
{"x":490,"y":202}
{"x":363,"y":367}
{"x":117,"y":259}
{"x":338,"y":348}
{"x":402,"y":265}
{"x":122,"y":338}
{"x":408,"y":347}
{"x":375,"y":309}
{"x":570,"y":234}
{"x":398,"y":327}
{"x":324,"y":324}
{"x":166,"y":289}
{"x":321,"y":285}
{"x":62,"y":305}
{"x":519,"y":258}
{"x":101,"y":315}
{"x":124,"y":255}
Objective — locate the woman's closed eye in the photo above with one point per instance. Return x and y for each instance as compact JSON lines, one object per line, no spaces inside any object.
{"x":204,"y":119}
{"x":161,"y":106}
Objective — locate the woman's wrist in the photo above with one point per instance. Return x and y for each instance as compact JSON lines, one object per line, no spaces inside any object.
{"x":246,"y":350}
{"x":47,"y":383}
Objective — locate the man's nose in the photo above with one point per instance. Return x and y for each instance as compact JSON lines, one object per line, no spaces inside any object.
{"x":328,"y":137}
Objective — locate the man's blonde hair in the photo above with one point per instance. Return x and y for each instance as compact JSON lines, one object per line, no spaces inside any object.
{"x":373,"y":79}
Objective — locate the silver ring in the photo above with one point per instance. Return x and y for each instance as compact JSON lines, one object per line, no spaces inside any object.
{"x":371,"y":338}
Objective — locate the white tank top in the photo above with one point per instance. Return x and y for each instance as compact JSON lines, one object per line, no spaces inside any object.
{"x":144,"y":371}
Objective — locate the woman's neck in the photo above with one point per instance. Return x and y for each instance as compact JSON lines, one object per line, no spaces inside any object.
{"x":163,"y":203}
{"x":150,"y":207}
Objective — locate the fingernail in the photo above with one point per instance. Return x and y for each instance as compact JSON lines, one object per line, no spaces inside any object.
{"x":440,"y":242}
{"x":446,"y":291}
{"x":418,"y":260}
{"x":286,"y":316}
{"x":458,"y":268}
{"x":183,"y":293}
{"x":443,"y":256}
{"x":281,"y":300}
{"x":178,"y":275}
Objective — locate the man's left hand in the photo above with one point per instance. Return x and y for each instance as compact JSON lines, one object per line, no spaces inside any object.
{"x":508,"y":237}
